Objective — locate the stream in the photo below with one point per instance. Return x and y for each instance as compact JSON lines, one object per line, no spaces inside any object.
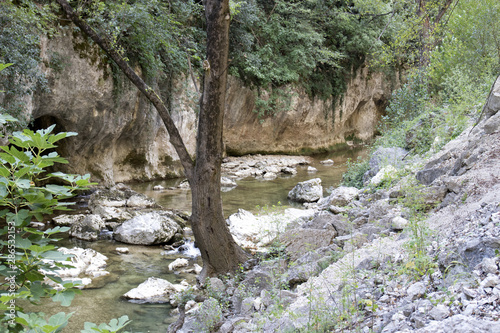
{"x":127,"y":271}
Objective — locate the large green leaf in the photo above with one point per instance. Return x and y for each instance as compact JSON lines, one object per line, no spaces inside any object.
{"x":58,"y":190}
{"x":64,"y":297}
{"x":22,"y":183}
{"x":23,"y":243}
{"x":55,"y":255}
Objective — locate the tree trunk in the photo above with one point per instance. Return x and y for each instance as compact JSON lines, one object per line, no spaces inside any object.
{"x":219,"y":251}
{"x":428,"y":39}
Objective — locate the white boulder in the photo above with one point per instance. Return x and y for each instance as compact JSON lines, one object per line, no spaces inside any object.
{"x":147,"y":229}
{"x":154,"y":290}
{"x":307,"y":191}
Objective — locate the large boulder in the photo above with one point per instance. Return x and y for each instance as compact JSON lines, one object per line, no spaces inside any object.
{"x":301,"y":240}
{"x":307,"y":191}
{"x":253,"y":232}
{"x":341,"y":196}
{"x":147,"y":229}
{"x":327,"y":220}
{"x":88,"y":228}
{"x":154,"y":290}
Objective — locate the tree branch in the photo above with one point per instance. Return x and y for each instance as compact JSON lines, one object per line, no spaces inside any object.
{"x":149,"y":93}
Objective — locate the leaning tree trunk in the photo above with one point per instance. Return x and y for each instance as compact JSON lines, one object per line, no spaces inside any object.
{"x":219,"y":251}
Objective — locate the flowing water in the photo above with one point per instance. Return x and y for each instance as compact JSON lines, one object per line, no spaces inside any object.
{"x":129,"y":270}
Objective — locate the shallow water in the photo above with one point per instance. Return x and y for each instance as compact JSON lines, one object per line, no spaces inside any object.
{"x":129,"y":270}
{"x":251,"y":193}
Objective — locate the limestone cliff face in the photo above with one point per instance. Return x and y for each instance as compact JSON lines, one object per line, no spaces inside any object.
{"x":305,"y":124}
{"x":121,"y":137}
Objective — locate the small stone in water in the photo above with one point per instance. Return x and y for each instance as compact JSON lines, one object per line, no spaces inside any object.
{"x":122,"y":250}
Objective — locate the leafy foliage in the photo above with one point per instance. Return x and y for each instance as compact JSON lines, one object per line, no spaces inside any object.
{"x":29,"y":261}
{"x":160,"y":36}
{"x":114,"y":325}
{"x":355,"y":172}
{"x":312,"y":43}
{"x":21,"y":25}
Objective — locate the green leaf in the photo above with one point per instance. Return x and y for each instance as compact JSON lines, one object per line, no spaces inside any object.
{"x":7,"y":157}
{"x":22,"y":218}
{"x":23,"y":243}
{"x":23,"y":183}
{"x":60,"y":319}
{"x":4,"y":66}
{"x":58,"y":190}
{"x":3,"y":191}
{"x":4,"y":172}
{"x":56,"y":230}
{"x":59,"y":136}
{"x":64,"y":297}
{"x":55,"y":255}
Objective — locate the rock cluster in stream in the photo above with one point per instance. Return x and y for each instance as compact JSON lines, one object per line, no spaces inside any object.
{"x":345,"y":265}
{"x":130,"y":217}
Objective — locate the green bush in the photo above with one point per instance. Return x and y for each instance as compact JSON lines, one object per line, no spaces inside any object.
{"x":355,"y":172}
{"x":29,"y":261}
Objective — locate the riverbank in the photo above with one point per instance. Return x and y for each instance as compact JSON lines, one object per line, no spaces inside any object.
{"x":415,"y":250}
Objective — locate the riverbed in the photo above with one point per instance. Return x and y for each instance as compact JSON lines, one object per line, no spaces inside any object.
{"x":129,"y":270}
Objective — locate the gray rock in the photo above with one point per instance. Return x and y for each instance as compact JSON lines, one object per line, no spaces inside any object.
{"x":122,"y":250}
{"x":475,"y":250}
{"x":154,"y":290}
{"x":229,"y":324}
{"x":493,"y":103}
{"x":289,"y":171}
{"x":299,"y":241}
{"x":416,"y":290}
{"x":311,"y":169}
{"x":147,"y":229}
{"x":440,"y":312}
{"x":67,"y":220}
{"x":227,"y":182}
{"x":140,"y":201}
{"x":351,"y":241}
{"x":216,"y":285}
{"x":303,"y":268}
{"x":489,"y":265}
{"x":490,"y":281}
{"x":307,"y":191}
{"x":399,"y":223}
{"x":247,"y":306}
{"x":257,"y":280}
{"x":340,"y":196}
{"x":87,"y":229}
{"x":434,"y":195}
{"x":178,"y":263}
{"x":323,"y":220}
{"x":427,"y":176}
{"x":461,"y":324}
